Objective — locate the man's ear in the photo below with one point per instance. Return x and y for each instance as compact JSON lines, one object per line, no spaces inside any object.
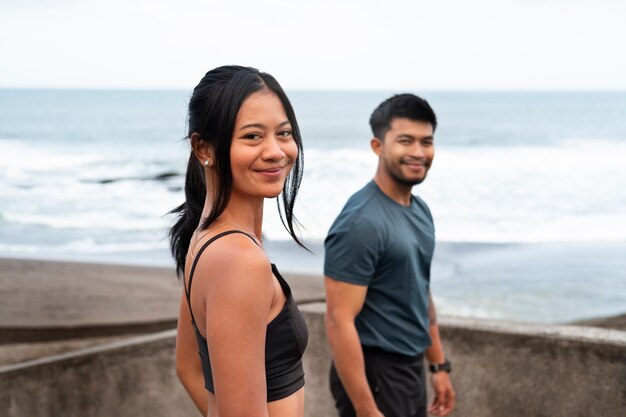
{"x":377,"y":146}
{"x":202,"y":150}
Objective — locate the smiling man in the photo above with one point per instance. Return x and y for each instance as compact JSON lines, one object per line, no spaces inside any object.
{"x":380,"y":316}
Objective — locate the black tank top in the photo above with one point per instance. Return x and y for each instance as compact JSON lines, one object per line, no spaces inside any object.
{"x":285,"y":340}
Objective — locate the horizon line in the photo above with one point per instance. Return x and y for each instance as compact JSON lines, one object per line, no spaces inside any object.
{"x":325,"y":89}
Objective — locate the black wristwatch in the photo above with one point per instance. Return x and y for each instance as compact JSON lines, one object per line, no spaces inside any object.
{"x":436,"y":367}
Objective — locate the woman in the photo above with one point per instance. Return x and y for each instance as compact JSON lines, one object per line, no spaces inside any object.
{"x":237,"y":311}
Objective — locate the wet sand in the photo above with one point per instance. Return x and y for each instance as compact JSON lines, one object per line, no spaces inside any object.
{"x":614,"y":322}
{"x":48,"y":294}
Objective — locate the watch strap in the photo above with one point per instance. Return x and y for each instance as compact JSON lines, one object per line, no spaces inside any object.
{"x":436,"y":367}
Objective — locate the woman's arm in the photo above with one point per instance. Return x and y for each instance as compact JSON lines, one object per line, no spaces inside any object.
{"x":188,"y":366}
{"x":239,"y":296}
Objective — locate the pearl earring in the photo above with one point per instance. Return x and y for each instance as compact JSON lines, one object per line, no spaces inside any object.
{"x":206,"y":163}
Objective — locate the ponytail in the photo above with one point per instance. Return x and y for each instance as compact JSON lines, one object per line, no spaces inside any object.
{"x":189,"y":213}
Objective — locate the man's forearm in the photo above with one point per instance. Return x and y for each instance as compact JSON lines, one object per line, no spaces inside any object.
{"x":350,"y":363}
{"x":434,"y":353}
{"x":443,"y":401}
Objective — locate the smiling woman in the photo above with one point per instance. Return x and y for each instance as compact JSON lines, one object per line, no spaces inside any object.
{"x":241,"y":317}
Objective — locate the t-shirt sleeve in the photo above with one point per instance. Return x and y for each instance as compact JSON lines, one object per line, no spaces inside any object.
{"x":426,"y":209}
{"x":352,"y":249}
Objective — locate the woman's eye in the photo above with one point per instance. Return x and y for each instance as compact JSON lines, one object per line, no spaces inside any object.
{"x":252,"y":136}
{"x":285,"y":133}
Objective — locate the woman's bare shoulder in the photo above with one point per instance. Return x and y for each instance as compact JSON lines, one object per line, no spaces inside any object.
{"x":235,"y":261}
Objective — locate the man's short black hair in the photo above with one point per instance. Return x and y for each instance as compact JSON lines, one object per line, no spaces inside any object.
{"x":407,"y":106}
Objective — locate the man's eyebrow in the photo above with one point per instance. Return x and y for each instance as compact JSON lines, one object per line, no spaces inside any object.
{"x":404,"y":135}
{"x":407,"y":136}
{"x":261,"y":125}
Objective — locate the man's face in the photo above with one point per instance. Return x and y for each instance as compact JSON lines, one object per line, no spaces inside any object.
{"x":407,"y":151}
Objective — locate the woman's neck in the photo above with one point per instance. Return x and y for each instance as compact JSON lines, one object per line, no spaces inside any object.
{"x":245,"y":214}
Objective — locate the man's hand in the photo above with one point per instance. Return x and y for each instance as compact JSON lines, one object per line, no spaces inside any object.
{"x":443,"y":402}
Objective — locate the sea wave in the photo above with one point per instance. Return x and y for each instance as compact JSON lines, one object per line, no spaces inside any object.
{"x":83,"y":246}
{"x":90,"y":221}
{"x":566,"y":190}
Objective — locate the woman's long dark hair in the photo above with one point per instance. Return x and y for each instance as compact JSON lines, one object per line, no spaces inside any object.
{"x":213,"y":108}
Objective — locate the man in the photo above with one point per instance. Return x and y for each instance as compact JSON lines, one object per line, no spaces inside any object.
{"x":380,"y":316}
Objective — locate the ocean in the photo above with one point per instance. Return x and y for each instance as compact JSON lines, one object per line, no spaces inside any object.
{"x":527,"y":188}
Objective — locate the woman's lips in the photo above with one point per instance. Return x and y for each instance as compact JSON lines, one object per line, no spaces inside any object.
{"x":271,"y":173}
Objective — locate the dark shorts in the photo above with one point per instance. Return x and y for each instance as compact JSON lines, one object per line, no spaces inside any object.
{"x":397,"y":383}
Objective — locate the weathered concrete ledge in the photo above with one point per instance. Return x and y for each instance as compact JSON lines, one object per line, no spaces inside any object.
{"x":584,"y":334}
{"x":136,"y":342}
{"x":509,"y":369}
{"x":135,"y":377}
{"x":32,"y":334}
{"x":500,"y":369}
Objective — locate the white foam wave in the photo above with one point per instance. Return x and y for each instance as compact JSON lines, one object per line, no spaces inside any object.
{"x":83,"y":246}
{"x":22,"y":162}
{"x":518,"y":194}
{"x":92,"y":220}
{"x":570,"y":192}
{"x":451,"y":308}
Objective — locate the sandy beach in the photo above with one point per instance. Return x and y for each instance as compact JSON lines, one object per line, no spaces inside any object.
{"x":37,"y":293}
{"x":614,"y":322}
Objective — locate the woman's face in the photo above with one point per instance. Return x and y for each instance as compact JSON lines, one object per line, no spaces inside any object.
{"x":263,"y":149}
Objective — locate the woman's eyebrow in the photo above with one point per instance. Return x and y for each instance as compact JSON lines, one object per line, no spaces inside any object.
{"x":257,"y":125}
{"x":261,"y":125}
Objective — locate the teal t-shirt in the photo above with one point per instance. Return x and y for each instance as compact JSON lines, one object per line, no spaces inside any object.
{"x":387,"y":247}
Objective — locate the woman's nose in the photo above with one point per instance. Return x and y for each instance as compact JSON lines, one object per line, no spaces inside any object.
{"x":272,"y":150}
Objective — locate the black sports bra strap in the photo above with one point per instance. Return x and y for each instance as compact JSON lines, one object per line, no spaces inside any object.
{"x":195,"y":262}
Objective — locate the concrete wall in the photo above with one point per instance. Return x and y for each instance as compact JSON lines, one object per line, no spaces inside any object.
{"x":506,"y":369}
{"x":318,"y":401}
{"x":132,"y":378}
{"x":500,"y":369}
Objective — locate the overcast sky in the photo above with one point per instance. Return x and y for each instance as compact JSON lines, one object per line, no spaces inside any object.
{"x":349,"y":44}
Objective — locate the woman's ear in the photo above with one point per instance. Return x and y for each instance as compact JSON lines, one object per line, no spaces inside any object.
{"x":202,"y":150}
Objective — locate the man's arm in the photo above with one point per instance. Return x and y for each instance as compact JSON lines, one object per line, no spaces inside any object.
{"x":343,"y":302}
{"x":443,"y":403}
